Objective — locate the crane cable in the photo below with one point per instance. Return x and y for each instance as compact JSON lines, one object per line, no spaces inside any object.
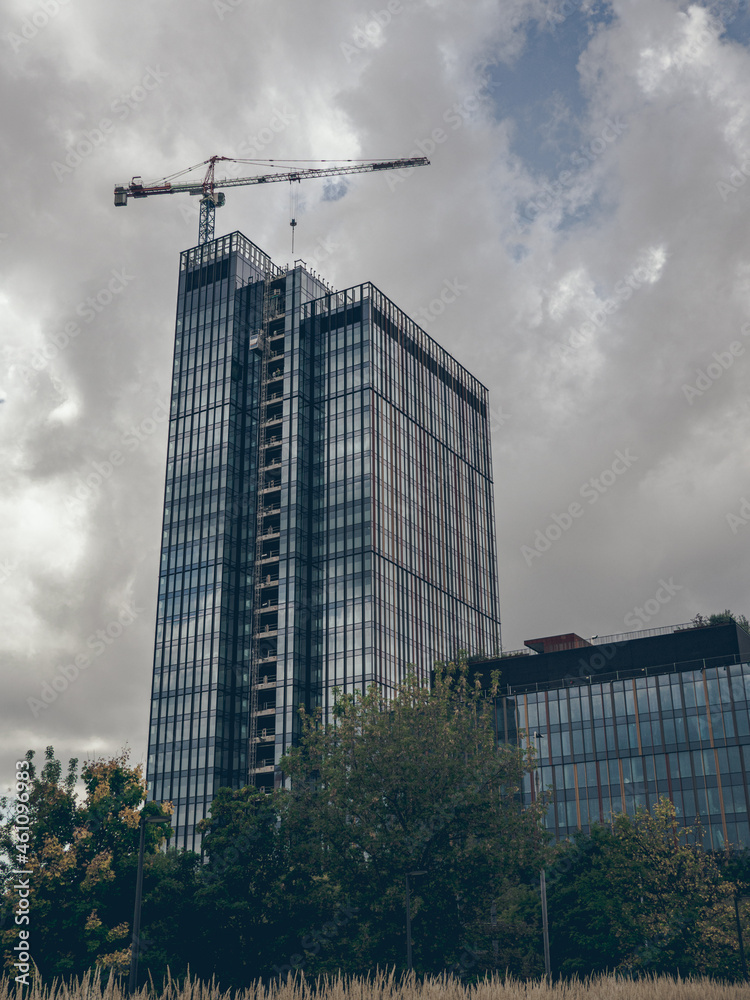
{"x":293,"y":207}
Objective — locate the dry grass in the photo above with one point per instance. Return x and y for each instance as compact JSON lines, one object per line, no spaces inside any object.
{"x":384,"y":987}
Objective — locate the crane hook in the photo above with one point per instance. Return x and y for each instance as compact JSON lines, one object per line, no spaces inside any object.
{"x":293,"y":205}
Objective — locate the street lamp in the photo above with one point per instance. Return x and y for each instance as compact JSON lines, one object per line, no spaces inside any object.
{"x":135,"y":944}
{"x":543,"y":894}
{"x":737,"y":900}
{"x":545,"y":925}
{"x":408,"y":918}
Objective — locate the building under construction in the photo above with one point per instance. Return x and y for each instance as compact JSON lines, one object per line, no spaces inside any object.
{"x":328,"y":516}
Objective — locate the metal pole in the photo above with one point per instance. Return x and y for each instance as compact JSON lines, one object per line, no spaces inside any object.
{"x":545,"y":925}
{"x":408,"y":926}
{"x":135,"y":944}
{"x":739,"y":938}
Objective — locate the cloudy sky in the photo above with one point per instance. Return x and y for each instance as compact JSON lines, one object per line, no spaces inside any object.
{"x":580,"y":242}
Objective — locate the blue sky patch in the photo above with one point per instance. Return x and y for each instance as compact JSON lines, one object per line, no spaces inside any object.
{"x":541,"y":90}
{"x":335,"y":190}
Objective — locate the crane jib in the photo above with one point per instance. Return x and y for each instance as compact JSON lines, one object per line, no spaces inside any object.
{"x":210,"y":201}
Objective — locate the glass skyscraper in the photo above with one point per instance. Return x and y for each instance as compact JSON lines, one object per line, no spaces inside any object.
{"x":328,"y":517}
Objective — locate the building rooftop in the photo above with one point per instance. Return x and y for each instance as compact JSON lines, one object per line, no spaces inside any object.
{"x":552,"y":661}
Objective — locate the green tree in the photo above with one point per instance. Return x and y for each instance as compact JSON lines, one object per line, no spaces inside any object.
{"x":254,"y":898}
{"x":721,"y":618}
{"x":173,"y":930}
{"x":726,"y":617}
{"x":81,"y":861}
{"x":418,"y":783}
{"x":640,"y":896}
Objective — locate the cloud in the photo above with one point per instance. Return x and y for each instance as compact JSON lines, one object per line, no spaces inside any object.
{"x":643,"y":209}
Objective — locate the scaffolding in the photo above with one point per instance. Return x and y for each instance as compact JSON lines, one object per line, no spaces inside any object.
{"x":267,"y":534}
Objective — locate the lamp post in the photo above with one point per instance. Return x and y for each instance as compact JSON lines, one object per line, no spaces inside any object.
{"x":543,"y":894}
{"x":408,"y":918}
{"x":737,"y":899}
{"x":545,"y":925}
{"x":136,"y":942}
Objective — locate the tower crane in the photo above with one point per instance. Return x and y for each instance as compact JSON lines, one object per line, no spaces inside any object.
{"x":211,"y":198}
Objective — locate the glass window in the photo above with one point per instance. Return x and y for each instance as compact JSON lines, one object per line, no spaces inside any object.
{"x":740,"y":801}
{"x":676,"y":694}
{"x":688,"y":691}
{"x":665,"y":694}
{"x":693,"y":729}
{"x":642,"y":693}
{"x":619,"y":699}
{"x":688,"y":800}
{"x":733,"y":756}
{"x":629,"y":700}
{"x":714,"y":806}
{"x":685,"y":766}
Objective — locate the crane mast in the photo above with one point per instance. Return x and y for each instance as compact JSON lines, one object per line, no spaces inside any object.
{"x":212,"y":198}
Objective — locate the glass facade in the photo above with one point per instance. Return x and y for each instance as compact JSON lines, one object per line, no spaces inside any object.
{"x":403,"y":536}
{"x":608,"y":745}
{"x":328,"y":516}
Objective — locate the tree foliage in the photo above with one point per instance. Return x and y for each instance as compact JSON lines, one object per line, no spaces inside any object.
{"x":417,"y":783}
{"x":640,"y":896}
{"x":81,"y":861}
{"x":253,"y":895}
{"x":313,"y":877}
{"x":726,"y":617}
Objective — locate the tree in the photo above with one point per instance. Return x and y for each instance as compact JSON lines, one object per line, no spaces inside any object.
{"x":173,"y":930}
{"x":253,"y":899}
{"x":417,"y":783}
{"x":727,"y":617}
{"x":640,"y":896}
{"x":721,"y":618}
{"x":81,"y":861}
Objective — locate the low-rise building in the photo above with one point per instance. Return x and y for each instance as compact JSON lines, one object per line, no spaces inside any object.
{"x":621,"y":720}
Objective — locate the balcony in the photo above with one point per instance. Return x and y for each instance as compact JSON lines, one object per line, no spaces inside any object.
{"x":267,"y":711}
{"x":260,"y":628}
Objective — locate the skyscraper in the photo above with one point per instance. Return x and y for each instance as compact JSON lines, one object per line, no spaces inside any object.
{"x":328,"y":516}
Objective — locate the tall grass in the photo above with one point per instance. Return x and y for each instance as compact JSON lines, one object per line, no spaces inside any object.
{"x":382,"y":986}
